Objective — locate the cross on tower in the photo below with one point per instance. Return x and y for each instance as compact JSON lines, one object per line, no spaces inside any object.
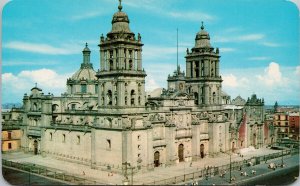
{"x":120,"y":5}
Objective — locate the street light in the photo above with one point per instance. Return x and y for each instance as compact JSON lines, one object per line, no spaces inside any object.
{"x":230,"y":168}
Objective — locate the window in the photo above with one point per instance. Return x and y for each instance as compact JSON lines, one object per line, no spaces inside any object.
{"x":63,"y":138}
{"x":125,"y":100}
{"x":83,"y":88}
{"x":96,"y":88}
{"x":108,"y":144}
{"x":50,"y":136}
{"x":9,"y":145}
{"x":139,"y":147}
{"x":73,"y":106}
{"x":139,"y":137}
{"x":9,"y":135}
{"x":78,"y":139}
{"x":132,"y":97}
{"x":109,"y":97}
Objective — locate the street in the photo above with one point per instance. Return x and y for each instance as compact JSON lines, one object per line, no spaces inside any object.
{"x":16,"y":177}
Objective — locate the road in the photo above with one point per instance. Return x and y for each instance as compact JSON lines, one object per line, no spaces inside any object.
{"x":264,"y":176}
{"x":17,"y":177}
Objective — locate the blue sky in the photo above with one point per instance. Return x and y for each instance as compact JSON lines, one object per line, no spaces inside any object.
{"x":258,"y":40}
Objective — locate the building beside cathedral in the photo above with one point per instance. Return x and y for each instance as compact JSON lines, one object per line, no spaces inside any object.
{"x":105,"y":119}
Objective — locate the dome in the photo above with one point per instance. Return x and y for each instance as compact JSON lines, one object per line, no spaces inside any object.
{"x":86,"y":49}
{"x":202,"y":39}
{"x":84,"y":74}
{"x":120,"y":22}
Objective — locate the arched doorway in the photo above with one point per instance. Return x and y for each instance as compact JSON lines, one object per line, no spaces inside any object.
{"x":254,"y":140}
{"x":35,"y":147}
{"x":233,"y":146}
{"x":180,"y":153}
{"x":272,"y":141}
{"x":156,"y":159}
{"x":202,"y":151}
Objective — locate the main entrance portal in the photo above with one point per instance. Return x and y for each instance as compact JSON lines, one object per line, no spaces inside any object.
{"x":180,"y":153}
{"x":156,"y":159}
{"x":202,"y":151}
{"x":35,"y":147}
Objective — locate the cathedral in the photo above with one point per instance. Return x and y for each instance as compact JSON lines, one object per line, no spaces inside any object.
{"x":106,"y":120}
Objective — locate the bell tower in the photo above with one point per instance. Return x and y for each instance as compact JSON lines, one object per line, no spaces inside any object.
{"x":121,"y":76}
{"x":202,"y":71}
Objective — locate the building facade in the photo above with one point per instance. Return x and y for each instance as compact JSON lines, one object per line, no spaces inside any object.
{"x":105,"y":119}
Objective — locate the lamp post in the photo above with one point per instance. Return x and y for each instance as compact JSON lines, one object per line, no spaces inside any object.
{"x":229,"y":168}
{"x":125,"y":182}
{"x":282,"y":158}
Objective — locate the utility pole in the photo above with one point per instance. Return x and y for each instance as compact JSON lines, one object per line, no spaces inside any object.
{"x":282,"y":158}
{"x":230,"y":169}
{"x":132,"y":175}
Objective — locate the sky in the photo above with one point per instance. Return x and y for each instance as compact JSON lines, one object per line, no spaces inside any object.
{"x":42,"y":42}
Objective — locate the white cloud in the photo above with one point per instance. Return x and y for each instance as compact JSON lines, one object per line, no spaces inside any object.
{"x":21,"y":62}
{"x":227,"y":50}
{"x":260,"y":58}
{"x":239,"y":38}
{"x":270,"y":44}
{"x":86,"y":15}
{"x":160,"y":52}
{"x":230,"y":80}
{"x":14,"y":86}
{"x":40,"y":48}
{"x":191,"y":16}
{"x":272,"y":75}
{"x":298,"y":70}
{"x":151,"y":84}
{"x":250,"y":37}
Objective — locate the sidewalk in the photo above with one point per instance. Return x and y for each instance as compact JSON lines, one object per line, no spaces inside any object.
{"x":159,"y":173}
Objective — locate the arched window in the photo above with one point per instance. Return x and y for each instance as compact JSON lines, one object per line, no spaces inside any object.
{"x":130,"y":65}
{"x":83,"y":88}
{"x":196,"y":98}
{"x":102,"y":100}
{"x":111,"y":64}
{"x":34,"y":107}
{"x":116,"y":100}
{"x":214,"y":97}
{"x":50,"y":136}
{"x":96,"y":88}
{"x":139,"y":100}
{"x":109,"y":97}
{"x":132,"y":97}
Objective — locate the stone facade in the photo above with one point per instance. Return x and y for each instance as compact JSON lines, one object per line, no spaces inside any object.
{"x":105,"y":119}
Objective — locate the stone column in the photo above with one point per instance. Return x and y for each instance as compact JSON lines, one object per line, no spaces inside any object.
{"x":114,"y":59}
{"x":195,"y":141}
{"x":150,"y":155}
{"x":99,"y":93}
{"x":206,"y":67}
{"x":206,"y":93}
{"x":188,"y":69}
{"x":102,"y":60}
{"x":217,"y":68}
{"x":120,"y":90}
{"x":127,"y":59}
{"x":199,"y":95}
{"x":139,"y":59}
{"x":121,"y":58}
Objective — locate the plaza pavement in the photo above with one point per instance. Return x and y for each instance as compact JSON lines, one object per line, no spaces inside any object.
{"x":159,"y":173}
